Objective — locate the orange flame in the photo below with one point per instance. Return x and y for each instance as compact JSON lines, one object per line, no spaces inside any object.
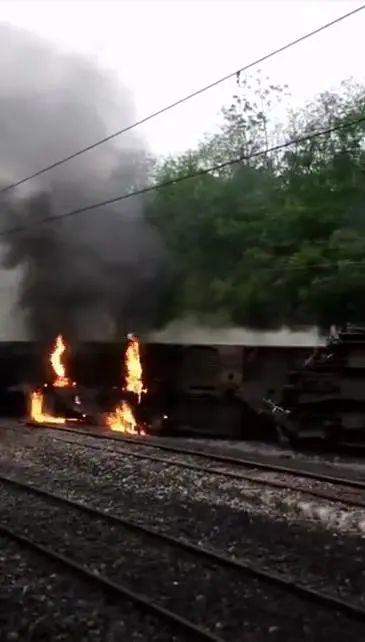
{"x":122,"y":419}
{"x":134,"y":369}
{"x":36,"y":410}
{"x":61,"y":380}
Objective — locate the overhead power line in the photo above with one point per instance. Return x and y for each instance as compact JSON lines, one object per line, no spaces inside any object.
{"x":309,"y":266}
{"x":185,"y":177}
{"x":180,"y":101}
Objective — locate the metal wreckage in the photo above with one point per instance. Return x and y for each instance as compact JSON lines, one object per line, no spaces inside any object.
{"x":325,"y":397}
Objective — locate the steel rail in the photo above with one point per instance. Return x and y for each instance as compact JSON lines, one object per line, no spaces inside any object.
{"x":327,"y":494}
{"x":312,"y":595}
{"x":225,"y":459}
{"x":274,"y":483}
{"x":115,"y":589}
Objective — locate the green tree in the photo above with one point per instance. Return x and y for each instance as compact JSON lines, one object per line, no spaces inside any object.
{"x":271,"y":240}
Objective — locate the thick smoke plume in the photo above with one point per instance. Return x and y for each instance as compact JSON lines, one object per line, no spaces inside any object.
{"x":92,"y":276}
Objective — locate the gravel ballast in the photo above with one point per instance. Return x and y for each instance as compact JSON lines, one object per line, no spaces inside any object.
{"x":42,"y":602}
{"x":219,"y":598}
{"x":229,"y":515}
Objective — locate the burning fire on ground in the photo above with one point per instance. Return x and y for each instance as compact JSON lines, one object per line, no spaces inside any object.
{"x":37,"y":413}
{"x":123,"y":419}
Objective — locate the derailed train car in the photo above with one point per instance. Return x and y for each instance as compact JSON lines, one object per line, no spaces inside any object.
{"x":324,"y":399}
{"x":213,"y":390}
{"x":217,"y":390}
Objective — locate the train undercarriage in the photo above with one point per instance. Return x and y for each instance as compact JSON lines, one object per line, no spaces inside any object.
{"x":325,"y":398}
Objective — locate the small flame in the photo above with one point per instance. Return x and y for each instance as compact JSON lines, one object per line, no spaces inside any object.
{"x":36,"y":410}
{"x":61,"y":380}
{"x":122,"y":419}
{"x":134,"y":368}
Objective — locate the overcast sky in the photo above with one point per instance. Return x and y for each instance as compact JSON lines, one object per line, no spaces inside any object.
{"x":164,"y":49}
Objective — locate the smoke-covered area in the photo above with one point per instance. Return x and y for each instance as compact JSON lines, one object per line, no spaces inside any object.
{"x":190,"y":331}
{"x":91,"y":276}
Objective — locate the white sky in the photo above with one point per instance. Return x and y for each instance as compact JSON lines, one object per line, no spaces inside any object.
{"x":164,"y":49}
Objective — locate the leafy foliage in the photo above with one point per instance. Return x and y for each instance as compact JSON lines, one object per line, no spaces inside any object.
{"x":278,"y":238}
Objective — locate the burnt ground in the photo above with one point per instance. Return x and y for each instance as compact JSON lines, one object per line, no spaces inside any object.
{"x":230,"y":516}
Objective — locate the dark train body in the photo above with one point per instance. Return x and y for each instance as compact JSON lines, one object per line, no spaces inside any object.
{"x":214,"y":390}
{"x":324,"y":399}
{"x":231,"y":391}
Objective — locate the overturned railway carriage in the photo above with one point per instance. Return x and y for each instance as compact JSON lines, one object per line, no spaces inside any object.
{"x":211,"y":390}
{"x":325,"y":397}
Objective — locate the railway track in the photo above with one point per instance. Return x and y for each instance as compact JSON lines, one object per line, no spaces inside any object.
{"x":112,"y":588}
{"x":348,"y":492}
{"x":201,"y":566}
{"x":249,"y":463}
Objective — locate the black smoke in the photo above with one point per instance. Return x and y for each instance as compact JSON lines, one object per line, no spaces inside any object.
{"x":92,"y":276}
